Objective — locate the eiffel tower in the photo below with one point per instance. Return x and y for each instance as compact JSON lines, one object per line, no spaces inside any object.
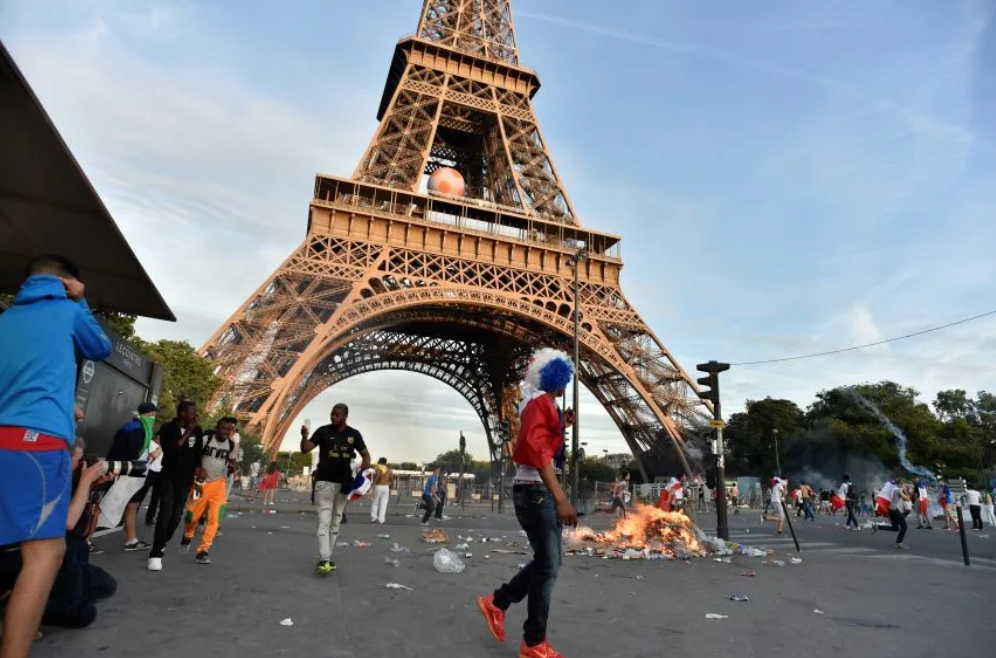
{"x":462,"y":289}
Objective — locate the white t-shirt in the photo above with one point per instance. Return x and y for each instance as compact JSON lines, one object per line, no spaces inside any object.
{"x":156,"y":465}
{"x":677,"y":490}
{"x":254,"y":469}
{"x":974,"y":497}
{"x":897,"y":499}
{"x":842,"y":491}
{"x":777,"y":490}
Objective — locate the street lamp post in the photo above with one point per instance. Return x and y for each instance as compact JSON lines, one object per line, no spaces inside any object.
{"x":582,"y":254}
{"x":463,"y":451}
{"x":778,"y":461}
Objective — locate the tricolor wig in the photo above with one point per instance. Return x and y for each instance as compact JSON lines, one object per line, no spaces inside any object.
{"x":549,"y":370}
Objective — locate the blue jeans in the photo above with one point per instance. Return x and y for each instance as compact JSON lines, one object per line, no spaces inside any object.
{"x":537,"y":514}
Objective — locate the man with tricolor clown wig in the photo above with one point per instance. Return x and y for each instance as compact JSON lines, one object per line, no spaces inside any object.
{"x":541,"y":506}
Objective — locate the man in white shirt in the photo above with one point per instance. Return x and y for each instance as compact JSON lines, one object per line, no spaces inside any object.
{"x":897,"y":498}
{"x":778,"y":489}
{"x":974,"y":500}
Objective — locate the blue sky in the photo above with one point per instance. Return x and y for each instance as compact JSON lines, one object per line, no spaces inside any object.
{"x":788,"y":177}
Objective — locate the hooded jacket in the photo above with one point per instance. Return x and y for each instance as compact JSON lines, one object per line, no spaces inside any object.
{"x":38,"y":336}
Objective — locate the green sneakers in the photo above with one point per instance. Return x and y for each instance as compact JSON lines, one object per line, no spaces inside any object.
{"x":324,"y":567}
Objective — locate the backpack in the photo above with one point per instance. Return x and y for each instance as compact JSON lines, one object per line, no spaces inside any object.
{"x":852,"y":493}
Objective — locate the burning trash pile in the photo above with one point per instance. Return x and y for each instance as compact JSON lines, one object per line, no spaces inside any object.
{"x":646,"y":533}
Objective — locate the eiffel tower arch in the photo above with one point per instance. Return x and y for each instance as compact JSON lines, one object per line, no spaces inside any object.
{"x":461,"y":289}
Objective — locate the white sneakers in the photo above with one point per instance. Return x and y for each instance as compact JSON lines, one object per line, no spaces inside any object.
{"x":155,"y":564}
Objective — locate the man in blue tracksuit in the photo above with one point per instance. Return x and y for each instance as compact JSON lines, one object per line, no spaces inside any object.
{"x":38,"y":336}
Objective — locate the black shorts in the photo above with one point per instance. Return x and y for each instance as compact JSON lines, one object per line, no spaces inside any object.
{"x":140,"y":494}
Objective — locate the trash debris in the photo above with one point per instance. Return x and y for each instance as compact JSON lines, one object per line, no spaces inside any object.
{"x":446,"y":561}
{"x":461,"y":547}
{"x":342,"y":544}
{"x":775,"y":563}
{"x":383,"y":536}
{"x":287,"y":622}
{"x":749,"y":574}
{"x":434,"y":536}
{"x":360,"y":544}
{"x":750,"y":551}
{"x":819,"y":612}
{"x":713,"y":615}
{"x":398,"y":549}
{"x":724,"y":560}
{"x":522,"y":565}
{"x":715,"y":544}
{"x":983,"y":536}
{"x":392,"y":562}
{"x":795,"y":560}
{"x":398,"y":586}
{"x":285,"y":527}
{"x":739,"y":598}
{"x":468,"y":555}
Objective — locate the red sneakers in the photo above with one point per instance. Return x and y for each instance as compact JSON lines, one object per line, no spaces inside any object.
{"x":541,"y":650}
{"x":494,"y":615}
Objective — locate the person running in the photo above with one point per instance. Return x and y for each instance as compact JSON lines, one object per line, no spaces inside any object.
{"x":216,"y":454}
{"x":898,"y":521}
{"x":807,"y":500}
{"x":849,"y":494}
{"x":179,"y":440}
{"x":40,"y":335}
{"x":541,"y":507}
{"x":922,"y":505}
{"x":338,"y":443}
{"x":133,"y":442}
{"x":778,"y":489}
{"x":441,"y":493}
{"x":381,"y":491}
{"x":268,"y":485}
{"x":430,"y":495}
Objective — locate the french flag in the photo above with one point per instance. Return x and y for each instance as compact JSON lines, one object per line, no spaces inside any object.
{"x":884,"y":499}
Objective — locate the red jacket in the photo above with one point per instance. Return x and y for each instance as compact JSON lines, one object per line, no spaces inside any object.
{"x":540,"y":434}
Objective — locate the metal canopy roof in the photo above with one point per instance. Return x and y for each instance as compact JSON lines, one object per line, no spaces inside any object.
{"x":47,"y":206}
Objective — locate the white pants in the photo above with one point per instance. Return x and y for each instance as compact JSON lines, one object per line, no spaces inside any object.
{"x":378,"y":504}
{"x":331,"y":504}
{"x":987,"y":514}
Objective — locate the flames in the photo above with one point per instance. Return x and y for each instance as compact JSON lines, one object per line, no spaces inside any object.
{"x":646,"y":529}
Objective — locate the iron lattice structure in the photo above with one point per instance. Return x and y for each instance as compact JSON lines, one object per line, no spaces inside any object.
{"x":460,"y":289}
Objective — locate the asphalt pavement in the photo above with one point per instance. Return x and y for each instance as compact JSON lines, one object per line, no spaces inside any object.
{"x":851,"y":593}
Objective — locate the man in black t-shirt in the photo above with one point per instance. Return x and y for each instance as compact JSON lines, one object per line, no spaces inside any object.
{"x":337,"y":444}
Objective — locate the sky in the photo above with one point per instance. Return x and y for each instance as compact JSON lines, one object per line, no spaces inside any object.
{"x":788,"y":177}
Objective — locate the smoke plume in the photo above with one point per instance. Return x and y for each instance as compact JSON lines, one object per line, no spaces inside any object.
{"x":902,"y":443}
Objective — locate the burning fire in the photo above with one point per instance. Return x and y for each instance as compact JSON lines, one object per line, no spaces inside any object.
{"x":646,"y":529}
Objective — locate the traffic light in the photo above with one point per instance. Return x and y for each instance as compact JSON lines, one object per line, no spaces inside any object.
{"x":709,"y":387}
{"x":710,"y":383}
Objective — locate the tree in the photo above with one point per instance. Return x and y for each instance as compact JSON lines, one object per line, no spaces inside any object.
{"x":750,"y":434}
{"x":598,"y":470}
{"x":122,"y":323}
{"x":449,"y":461}
{"x":954,"y":403}
{"x":292,"y":463}
{"x":251,"y":449}
{"x":408,"y":466}
{"x":188,"y":375}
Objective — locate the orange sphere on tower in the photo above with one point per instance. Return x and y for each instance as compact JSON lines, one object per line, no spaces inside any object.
{"x":446,"y":181}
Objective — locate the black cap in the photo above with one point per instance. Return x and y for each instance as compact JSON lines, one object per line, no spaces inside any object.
{"x":147,"y":407}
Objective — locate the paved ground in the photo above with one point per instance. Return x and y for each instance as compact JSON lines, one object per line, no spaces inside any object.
{"x":873,"y":600}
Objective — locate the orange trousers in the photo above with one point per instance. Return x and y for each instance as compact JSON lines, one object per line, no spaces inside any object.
{"x":213,"y":496}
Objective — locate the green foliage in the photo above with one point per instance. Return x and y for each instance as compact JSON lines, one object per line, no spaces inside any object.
{"x":292,"y":463}
{"x":252,"y":450}
{"x":120,"y":322}
{"x":407,"y":466}
{"x":189,"y":376}
{"x":959,"y":439}
{"x":449,"y":461}
{"x":599,"y":470}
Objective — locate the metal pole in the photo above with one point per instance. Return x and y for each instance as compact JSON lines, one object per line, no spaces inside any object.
{"x":964,"y":539}
{"x":722,"y":522}
{"x":778,"y":461}
{"x":575,"y":431}
{"x":788,"y":519}
{"x":463,"y":450}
